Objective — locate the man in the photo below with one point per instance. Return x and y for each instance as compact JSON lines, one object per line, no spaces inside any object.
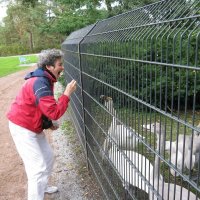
{"x":33,"y":110}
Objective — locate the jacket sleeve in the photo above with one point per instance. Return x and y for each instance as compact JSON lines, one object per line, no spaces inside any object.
{"x":52,"y":109}
{"x":46,"y":102}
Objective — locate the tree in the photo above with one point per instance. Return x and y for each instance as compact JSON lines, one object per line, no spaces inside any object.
{"x":40,"y":23}
{"x":23,"y":21}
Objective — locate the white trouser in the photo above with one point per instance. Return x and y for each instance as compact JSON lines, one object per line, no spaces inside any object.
{"x":37,"y":156}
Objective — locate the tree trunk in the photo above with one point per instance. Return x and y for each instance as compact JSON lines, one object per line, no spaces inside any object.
{"x":31,"y":40}
{"x":109,"y":7}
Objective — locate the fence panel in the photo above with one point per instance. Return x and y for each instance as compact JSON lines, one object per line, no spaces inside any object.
{"x":137,"y":106}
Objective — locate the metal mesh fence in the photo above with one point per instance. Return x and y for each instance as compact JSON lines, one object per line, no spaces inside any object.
{"x":137,"y":109}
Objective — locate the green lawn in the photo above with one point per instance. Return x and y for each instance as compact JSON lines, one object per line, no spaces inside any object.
{"x":11,"y":64}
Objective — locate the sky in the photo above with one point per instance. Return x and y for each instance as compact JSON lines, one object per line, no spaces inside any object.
{"x":2,"y":11}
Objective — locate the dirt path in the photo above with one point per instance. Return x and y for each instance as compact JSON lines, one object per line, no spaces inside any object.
{"x":72,"y":184}
{"x":12,"y":175}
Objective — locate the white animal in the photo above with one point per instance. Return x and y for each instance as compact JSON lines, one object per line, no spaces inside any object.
{"x":165,"y":190}
{"x":177,"y":156}
{"x":125,"y":137}
{"x":133,"y":167}
{"x":178,"y":152}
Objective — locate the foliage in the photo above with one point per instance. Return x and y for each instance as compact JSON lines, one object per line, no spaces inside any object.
{"x":29,"y":28}
{"x":23,"y":27}
{"x":163,"y":85}
{"x":67,"y":127}
{"x":61,"y":79}
{"x":34,"y":25}
{"x":6,"y":50}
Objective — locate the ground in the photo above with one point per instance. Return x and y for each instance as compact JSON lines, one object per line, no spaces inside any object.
{"x":70,"y":172}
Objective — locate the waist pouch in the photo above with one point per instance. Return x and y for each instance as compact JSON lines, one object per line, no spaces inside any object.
{"x":46,"y":123}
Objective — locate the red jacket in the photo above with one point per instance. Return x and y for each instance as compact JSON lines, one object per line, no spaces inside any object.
{"x":35,"y":99}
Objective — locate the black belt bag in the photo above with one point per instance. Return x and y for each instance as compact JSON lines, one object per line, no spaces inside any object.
{"x":46,"y":123}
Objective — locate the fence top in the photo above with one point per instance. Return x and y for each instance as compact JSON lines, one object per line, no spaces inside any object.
{"x":161,"y":12}
{"x":76,"y":36}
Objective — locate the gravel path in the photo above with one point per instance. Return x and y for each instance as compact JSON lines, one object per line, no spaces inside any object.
{"x":70,"y":170}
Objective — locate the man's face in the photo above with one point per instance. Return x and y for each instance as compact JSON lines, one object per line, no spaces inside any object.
{"x":57,"y":68}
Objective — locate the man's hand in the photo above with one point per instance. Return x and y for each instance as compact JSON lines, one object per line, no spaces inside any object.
{"x":55,"y":125}
{"x":53,"y":128}
{"x":70,"y":88}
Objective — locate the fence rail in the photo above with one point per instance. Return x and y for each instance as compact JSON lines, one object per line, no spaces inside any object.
{"x":136,"y":109}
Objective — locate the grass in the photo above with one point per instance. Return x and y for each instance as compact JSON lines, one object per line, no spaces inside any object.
{"x":11,"y":64}
{"x":68,"y":129}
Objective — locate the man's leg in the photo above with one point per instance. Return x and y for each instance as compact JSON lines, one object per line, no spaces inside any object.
{"x":37,"y":156}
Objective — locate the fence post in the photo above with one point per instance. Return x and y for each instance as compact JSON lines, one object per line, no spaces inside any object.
{"x":81,"y":80}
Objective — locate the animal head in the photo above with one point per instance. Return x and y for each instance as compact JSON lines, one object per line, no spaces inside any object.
{"x":105,"y":98}
{"x":154,"y":127}
{"x":108,"y":101}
